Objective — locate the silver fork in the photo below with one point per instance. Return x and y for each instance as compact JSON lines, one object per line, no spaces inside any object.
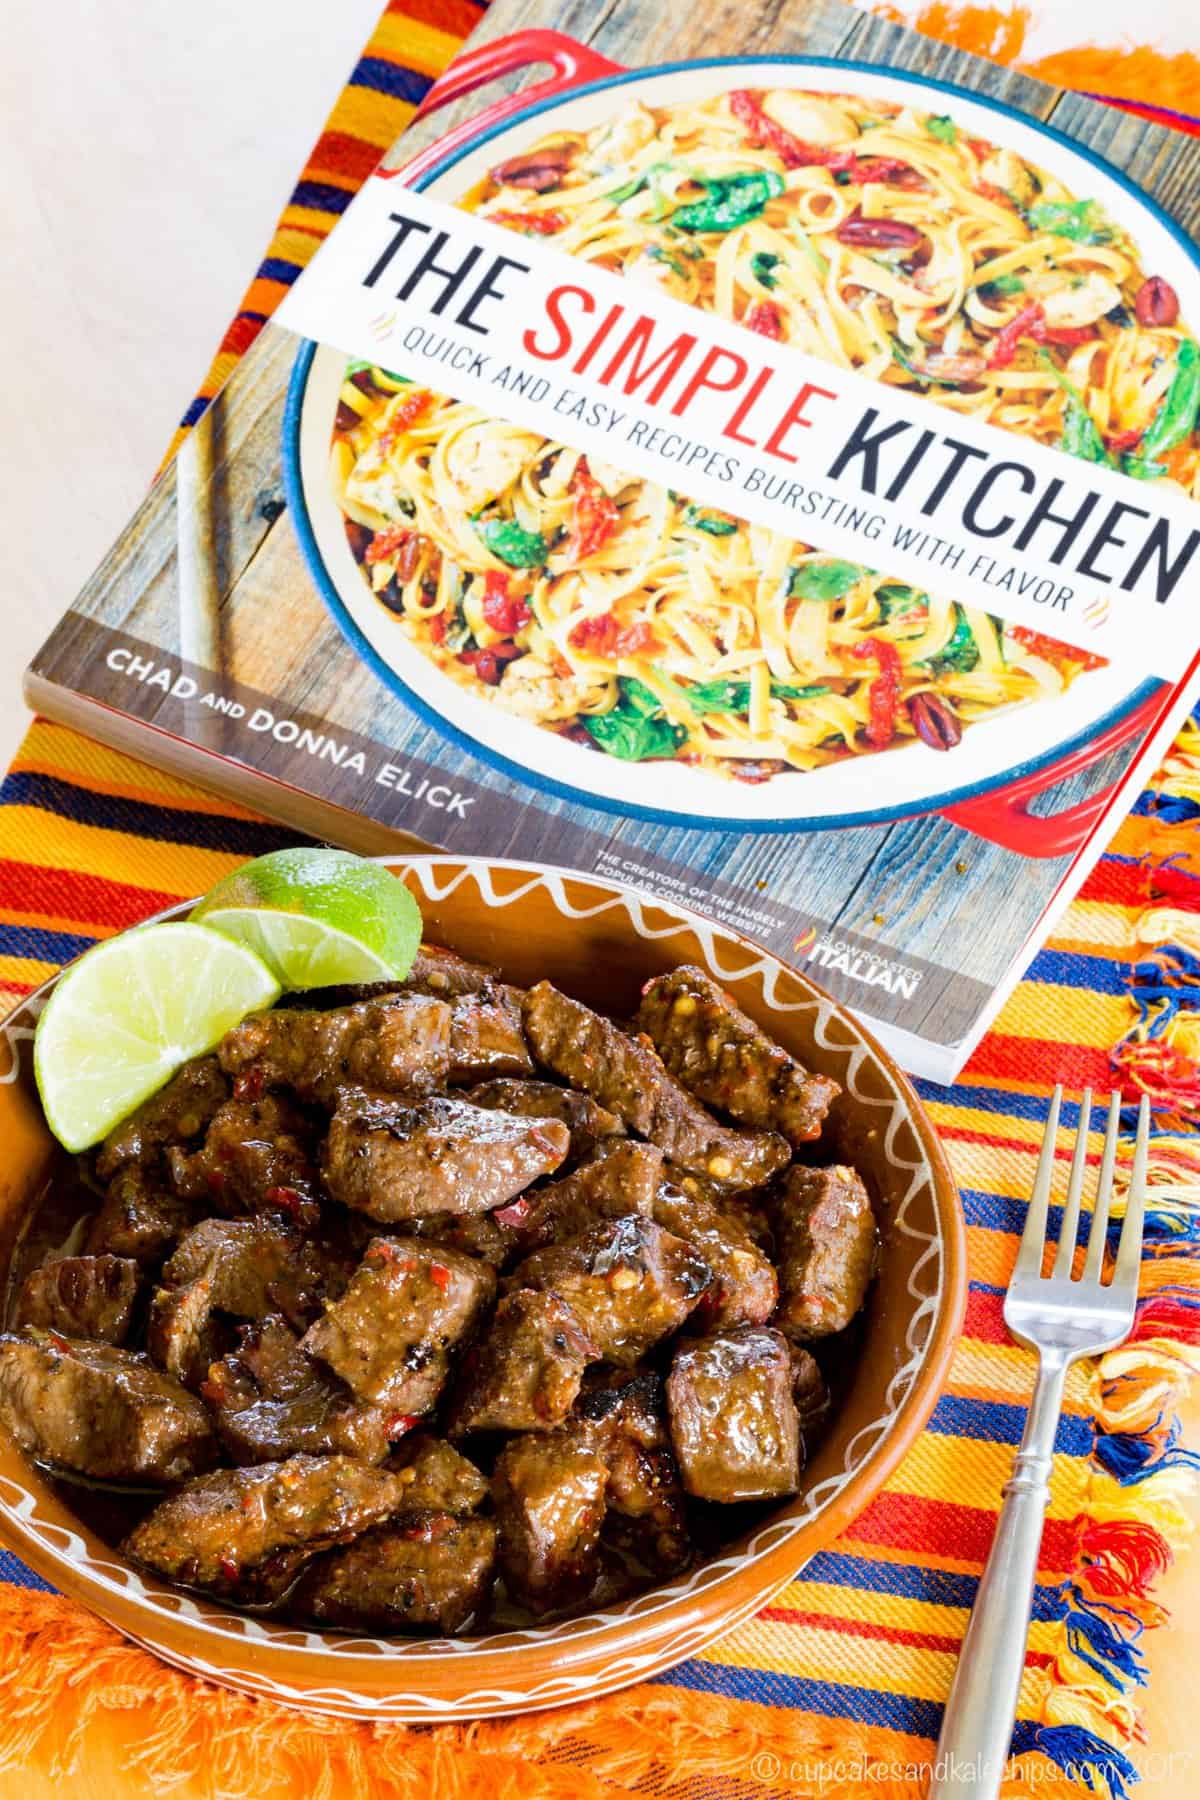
{"x":1062,"y":1319}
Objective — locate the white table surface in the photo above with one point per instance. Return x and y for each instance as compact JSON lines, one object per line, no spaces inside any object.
{"x":145,"y":152}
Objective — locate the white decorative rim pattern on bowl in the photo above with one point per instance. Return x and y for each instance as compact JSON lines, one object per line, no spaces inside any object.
{"x":725,"y":957}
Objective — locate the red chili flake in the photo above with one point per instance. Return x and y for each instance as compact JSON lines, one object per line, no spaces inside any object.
{"x":287,"y":1199}
{"x":384,"y":1252}
{"x":227,"y":1566}
{"x":502,"y":611}
{"x":58,"y":1343}
{"x":596,"y":515}
{"x":386,"y":545}
{"x":541,"y":224}
{"x":883,"y":695}
{"x":764,"y":318}
{"x":249,"y":1085}
{"x":1052,"y":651}
{"x":399,"y":1423}
{"x":439,"y":1274}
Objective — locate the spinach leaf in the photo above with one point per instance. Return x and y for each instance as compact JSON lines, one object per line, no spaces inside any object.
{"x":824,"y":580}
{"x":787,"y":690}
{"x":762,"y":263}
{"x":1004,"y":285}
{"x":356,"y":366}
{"x":961,"y":652}
{"x":1175,"y":419}
{"x":942,"y":126}
{"x":734,"y":696}
{"x":898,"y":600}
{"x":1081,"y":435}
{"x":712,"y":523}
{"x":1083,"y":221}
{"x":635,"y":729}
{"x":729,"y":201}
{"x":519,"y":548}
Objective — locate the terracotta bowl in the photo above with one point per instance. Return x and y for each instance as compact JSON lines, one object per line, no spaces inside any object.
{"x":600,"y":942}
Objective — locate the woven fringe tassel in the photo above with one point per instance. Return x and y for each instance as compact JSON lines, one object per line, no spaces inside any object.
{"x":1122,"y":1556}
{"x":1088,"y":1759}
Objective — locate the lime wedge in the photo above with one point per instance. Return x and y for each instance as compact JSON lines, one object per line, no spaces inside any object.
{"x":318,"y":917}
{"x":122,"y":1019}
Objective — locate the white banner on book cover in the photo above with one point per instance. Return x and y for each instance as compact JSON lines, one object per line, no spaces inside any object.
{"x":760,"y":429}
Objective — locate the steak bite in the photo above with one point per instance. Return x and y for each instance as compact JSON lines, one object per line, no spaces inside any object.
{"x":548,"y":1492}
{"x":620,"y":1417}
{"x":139,"y":1218}
{"x":390,"y":1333}
{"x":721,"y":1056}
{"x":627,"y":1075}
{"x":475,"y":1234}
{"x":81,"y":1297}
{"x":101,"y":1411}
{"x":525,"y":1373}
{"x":486,"y":1037}
{"x":437,"y":1477}
{"x":270,"y":1400}
{"x":255,"y":1156}
{"x":733,"y":1418}
{"x":399,"y":1045}
{"x":744,"y":1288}
{"x":628,"y":1281}
{"x":244,"y":1533}
{"x":444,"y":1155}
{"x":177,"y":1114}
{"x":826,"y":1245}
{"x":588,"y":1123}
{"x":437,"y":970}
{"x":430,"y":1572}
{"x":245,"y":1267}
{"x":623,"y":1178}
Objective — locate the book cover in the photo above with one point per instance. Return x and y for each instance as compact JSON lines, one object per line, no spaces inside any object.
{"x":757,"y":466}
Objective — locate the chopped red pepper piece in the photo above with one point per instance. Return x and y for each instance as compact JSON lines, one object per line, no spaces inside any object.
{"x":502,"y":611}
{"x":387,"y":545}
{"x":542,"y":224}
{"x":764,"y":318}
{"x":1120,"y":441}
{"x":1006,"y":341}
{"x":414,"y":406}
{"x":399,"y":1423}
{"x":596,"y":515}
{"x":606,"y":636}
{"x":883,"y":695}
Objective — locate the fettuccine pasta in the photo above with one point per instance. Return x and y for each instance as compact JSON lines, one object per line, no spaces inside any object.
{"x":623,"y":616}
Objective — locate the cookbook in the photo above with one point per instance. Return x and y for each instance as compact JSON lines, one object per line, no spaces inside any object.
{"x":756,"y":463}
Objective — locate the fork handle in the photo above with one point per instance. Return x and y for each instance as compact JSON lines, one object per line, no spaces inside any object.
{"x":974,"y":1745}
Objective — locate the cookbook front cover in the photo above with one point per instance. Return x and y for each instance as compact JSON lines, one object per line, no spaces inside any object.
{"x":761,"y":473}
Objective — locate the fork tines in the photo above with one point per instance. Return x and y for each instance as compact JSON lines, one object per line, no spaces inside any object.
{"x":1129,"y":1250}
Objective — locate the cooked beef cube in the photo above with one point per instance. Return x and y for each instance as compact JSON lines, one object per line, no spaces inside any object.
{"x":270,"y":1400}
{"x":744,"y":1289}
{"x":389,"y":1335}
{"x":475,"y":1234}
{"x":621,"y":1179}
{"x":549,"y":1497}
{"x":399,"y":1045}
{"x":81,"y":1297}
{"x":588,"y":1123}
{"x":437,"y":970}
{"x":733,"y":1419}
{"x":437,"y":1477}
{"x":177,"y":1114}
{"x":432,"y":1572}
{"x":255,"y":1155}
{"x":245,"y":1533}
{"x":808,"y":1390}
{"x":628,"y":1281}
{"x":721,"y":1056}
{"x":402,"y":1162}
{"x":826,"y":1244}
{"x":626,"y":1075}
{"x":139,"y":1218}
{"x":525,"y":1373}
{"x":620,"y":1417}
{"x":486,"y":1036}
{"x":101,"y":1411}
{"x":247,"y":1267}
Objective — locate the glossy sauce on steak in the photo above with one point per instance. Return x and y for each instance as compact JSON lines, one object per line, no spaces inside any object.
{"x":439,"y":1306}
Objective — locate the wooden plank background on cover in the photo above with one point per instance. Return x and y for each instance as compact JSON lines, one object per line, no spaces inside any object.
{"x":922,"y":889}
